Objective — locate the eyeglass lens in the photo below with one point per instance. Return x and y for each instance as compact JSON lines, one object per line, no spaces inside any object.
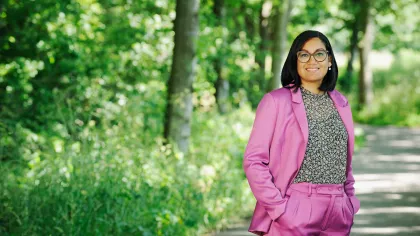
{"x":318,"y":55}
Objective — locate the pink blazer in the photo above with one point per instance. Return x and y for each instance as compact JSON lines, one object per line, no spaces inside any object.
{"x":276,"y":149}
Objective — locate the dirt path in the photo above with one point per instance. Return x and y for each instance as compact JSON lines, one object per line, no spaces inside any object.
{"x":387,"y":173}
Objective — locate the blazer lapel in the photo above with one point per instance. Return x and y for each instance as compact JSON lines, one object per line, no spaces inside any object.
{"x":300,"y":113}
{"x":345,"y":113}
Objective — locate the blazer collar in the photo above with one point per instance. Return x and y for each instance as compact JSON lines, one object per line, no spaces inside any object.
{"x":335,"y":96}
{"x":338,"y":99}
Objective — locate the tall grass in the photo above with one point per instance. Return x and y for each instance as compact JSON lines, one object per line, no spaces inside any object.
{"x":117,"y":178}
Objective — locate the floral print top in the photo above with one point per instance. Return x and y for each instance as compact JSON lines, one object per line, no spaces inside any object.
{"x":325,"y":158}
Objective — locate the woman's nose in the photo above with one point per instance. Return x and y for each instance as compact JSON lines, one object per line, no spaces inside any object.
{"x":312,"y":59}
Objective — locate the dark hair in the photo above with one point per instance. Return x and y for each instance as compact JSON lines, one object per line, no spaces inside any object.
{"x":289,"y":74}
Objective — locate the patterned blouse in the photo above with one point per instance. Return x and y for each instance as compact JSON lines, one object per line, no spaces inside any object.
{"x":326,"y":153}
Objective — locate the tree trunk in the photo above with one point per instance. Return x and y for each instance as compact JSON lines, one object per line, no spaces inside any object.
{"x":222,"y":85}
{"x":249,"y":22}
{"x":279,"y":41}
{"x":263,"y":48}
{"x":365,"y":75}
{"x":346,"y":82}
{"x":179,"y":105}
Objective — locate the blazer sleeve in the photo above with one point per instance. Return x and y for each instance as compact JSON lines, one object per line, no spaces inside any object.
{"x":349,"y":184}
{"x":257,"y":157}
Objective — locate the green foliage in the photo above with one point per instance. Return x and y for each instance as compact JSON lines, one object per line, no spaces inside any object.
{"x":398,"y":24}
{"x":397,"y":94}
{"x":118,"y":178}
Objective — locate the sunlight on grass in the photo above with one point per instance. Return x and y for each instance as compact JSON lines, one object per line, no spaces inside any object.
{"x":386,"y":230}
{"x":389,"y":210}
{"x":370,"y":183}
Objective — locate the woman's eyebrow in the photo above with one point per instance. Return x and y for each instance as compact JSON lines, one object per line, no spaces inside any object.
{"x":315,"y":50}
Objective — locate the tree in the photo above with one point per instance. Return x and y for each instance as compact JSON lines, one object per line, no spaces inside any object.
{"x":221,"y":85}
{"x":179,"y":100}
{"x":281,"y":20}
{"x":365,"y":46}
{"x":353,"y":25}
{"x":263,"y":46}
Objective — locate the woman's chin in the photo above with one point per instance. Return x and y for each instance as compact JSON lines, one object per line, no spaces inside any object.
{"x":311,"y":80}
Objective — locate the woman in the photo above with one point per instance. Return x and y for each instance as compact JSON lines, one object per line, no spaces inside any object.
{"x":298,"y":158}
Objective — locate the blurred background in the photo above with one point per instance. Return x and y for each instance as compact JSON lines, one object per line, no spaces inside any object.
{"x":130,"y":117}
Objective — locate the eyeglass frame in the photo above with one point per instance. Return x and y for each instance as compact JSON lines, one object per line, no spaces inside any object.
{"x":312,"y":55}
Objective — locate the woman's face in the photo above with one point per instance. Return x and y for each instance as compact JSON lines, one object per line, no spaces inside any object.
{"x":313,"y":71}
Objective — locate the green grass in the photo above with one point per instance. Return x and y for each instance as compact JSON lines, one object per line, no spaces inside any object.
{"x":117,"y":178}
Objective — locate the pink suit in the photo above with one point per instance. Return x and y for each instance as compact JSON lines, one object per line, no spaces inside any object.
{"x":273,"y":156}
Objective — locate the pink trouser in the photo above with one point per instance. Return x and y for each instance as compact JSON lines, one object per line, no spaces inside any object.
{"x":315,"y":209}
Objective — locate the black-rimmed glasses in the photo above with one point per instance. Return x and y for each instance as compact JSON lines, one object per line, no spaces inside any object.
{"x":319,"y":56}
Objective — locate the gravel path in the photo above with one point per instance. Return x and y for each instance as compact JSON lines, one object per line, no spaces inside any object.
{"x":387,"y":173}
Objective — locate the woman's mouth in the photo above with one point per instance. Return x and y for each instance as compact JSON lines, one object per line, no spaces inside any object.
{"x":312,"y":69}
